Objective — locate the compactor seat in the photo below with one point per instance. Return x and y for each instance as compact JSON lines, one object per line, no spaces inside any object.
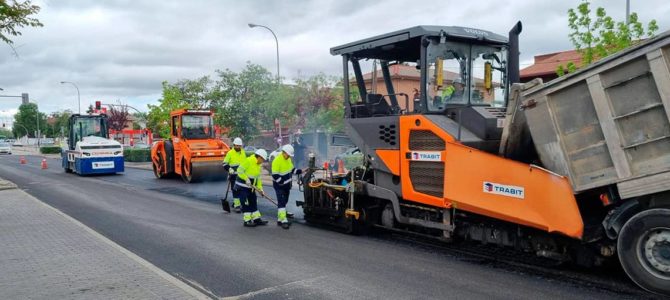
{"x":377,"y":105}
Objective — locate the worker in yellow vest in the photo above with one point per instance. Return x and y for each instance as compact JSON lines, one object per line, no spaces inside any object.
{"x":282,"y":178}
{"x":231,"y":162}
{"x":248,"y":182}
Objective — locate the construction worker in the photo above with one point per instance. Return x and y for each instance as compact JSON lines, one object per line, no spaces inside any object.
{"x":454,"y":92}
{"x":282,"y":178}
{"x":248,"y":182}
{"x":233,"y":160}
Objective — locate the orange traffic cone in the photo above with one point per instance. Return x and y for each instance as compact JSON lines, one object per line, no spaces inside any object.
{"x":22,"y":160}
{"x":340,"y":166}
{"x":44,"y":164}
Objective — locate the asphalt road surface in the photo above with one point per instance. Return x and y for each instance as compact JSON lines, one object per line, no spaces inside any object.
{"x":181,"y":228}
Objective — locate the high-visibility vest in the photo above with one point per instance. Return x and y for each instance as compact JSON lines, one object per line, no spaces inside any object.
{"x":447,"y":92}
{"x":234,"y":158}
{"x":282,"y":171}
{"x":249,"y":171}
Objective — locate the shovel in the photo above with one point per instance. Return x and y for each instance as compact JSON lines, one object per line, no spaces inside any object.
{"x":224,"y":201}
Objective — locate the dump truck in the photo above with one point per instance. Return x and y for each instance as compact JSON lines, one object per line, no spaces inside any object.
{"x":192,"y":151}
{"x":89,"y":149}
{"x":576,"y":169}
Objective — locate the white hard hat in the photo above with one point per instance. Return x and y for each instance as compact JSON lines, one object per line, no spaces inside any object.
{"x":288,"y":149}
{"x":237,"y":142}
{"x":262,"y":153}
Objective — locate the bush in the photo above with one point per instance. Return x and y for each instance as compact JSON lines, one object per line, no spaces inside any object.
{"x":50,"y":150}
{"x":137,"y":155}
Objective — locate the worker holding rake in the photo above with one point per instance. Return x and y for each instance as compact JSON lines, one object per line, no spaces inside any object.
{"x":247,"y":183}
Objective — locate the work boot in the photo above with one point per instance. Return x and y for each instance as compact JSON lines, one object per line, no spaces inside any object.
{"x":260,"y":222}
{"x":289,"y":215}
{"x":237,"y":210}
{"x":285,"y":225}
{"x":249,"y":224}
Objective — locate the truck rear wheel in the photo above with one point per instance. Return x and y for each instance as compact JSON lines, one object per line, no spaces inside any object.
{"x":644,"y":249}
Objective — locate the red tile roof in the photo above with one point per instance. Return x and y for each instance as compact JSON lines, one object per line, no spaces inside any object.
{"x":546,"y":64}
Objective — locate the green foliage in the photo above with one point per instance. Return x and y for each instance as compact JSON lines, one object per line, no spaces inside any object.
{"x":242,"y":98}
{"x":50,"y":150}
{"x":6,"y":133}
{"x":136,"y":155}
{"x":193,"y":94}
{"x":248,"y":101}
{"x":15,"y":15}
{"x":26,"y":120}
{"x":320,"y":103}
{"x":353,"y":160}
{"x":597,"y":36}
{"x":56,"y":122}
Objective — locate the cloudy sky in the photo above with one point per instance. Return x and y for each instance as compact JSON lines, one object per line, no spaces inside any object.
{"x":123,"y":49}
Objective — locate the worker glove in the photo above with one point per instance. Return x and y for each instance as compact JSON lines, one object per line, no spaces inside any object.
{"x":297,"y":171}
{"x":226,"y":167}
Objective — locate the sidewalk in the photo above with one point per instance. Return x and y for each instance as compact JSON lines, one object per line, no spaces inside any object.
{"x":46,"y":254}
{"x":30,"y":150}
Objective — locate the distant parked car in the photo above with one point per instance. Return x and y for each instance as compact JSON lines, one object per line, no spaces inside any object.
{"x":274,"y":154}
{"x":140,"y":145}
{"x":249,"y":149}
{"x":5,"y":148}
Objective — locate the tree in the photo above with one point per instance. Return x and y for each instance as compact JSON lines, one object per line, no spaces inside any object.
{"x":90,"y":109}
{"x":596,"y":37}
{"x":15,"y":15}
{"x":57,"y":124}
{"x":320,"y":103}
{"x":193,"y":94}
{"x":117,"y":117}
{"x":240,"y":99}
{"x":26,"y":119}
{"x":6,"y":133}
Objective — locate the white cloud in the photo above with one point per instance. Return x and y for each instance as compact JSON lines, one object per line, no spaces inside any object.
{"x":123,"y":49}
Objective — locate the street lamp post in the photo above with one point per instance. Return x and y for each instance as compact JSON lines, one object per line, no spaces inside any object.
{"x":24,"y":128}
{"x":78,"y":95}
{"x":38,"y":124}
{"x":251,"y":25}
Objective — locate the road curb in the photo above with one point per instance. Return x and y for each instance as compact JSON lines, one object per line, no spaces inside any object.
{"x":6,"y":185}
{"x":187,"y":288}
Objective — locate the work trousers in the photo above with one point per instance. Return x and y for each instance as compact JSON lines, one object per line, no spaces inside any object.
{"x":282,"y":199}
{"x":236,"y":194}
{"x":282,"y":195}
{"x":249,"y":203}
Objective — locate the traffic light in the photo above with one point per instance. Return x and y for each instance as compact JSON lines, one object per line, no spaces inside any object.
{"x":98,"y":105}
{"x":24,"y":98}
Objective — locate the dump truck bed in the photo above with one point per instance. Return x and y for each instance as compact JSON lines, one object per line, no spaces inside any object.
{"x":607,"y":123}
